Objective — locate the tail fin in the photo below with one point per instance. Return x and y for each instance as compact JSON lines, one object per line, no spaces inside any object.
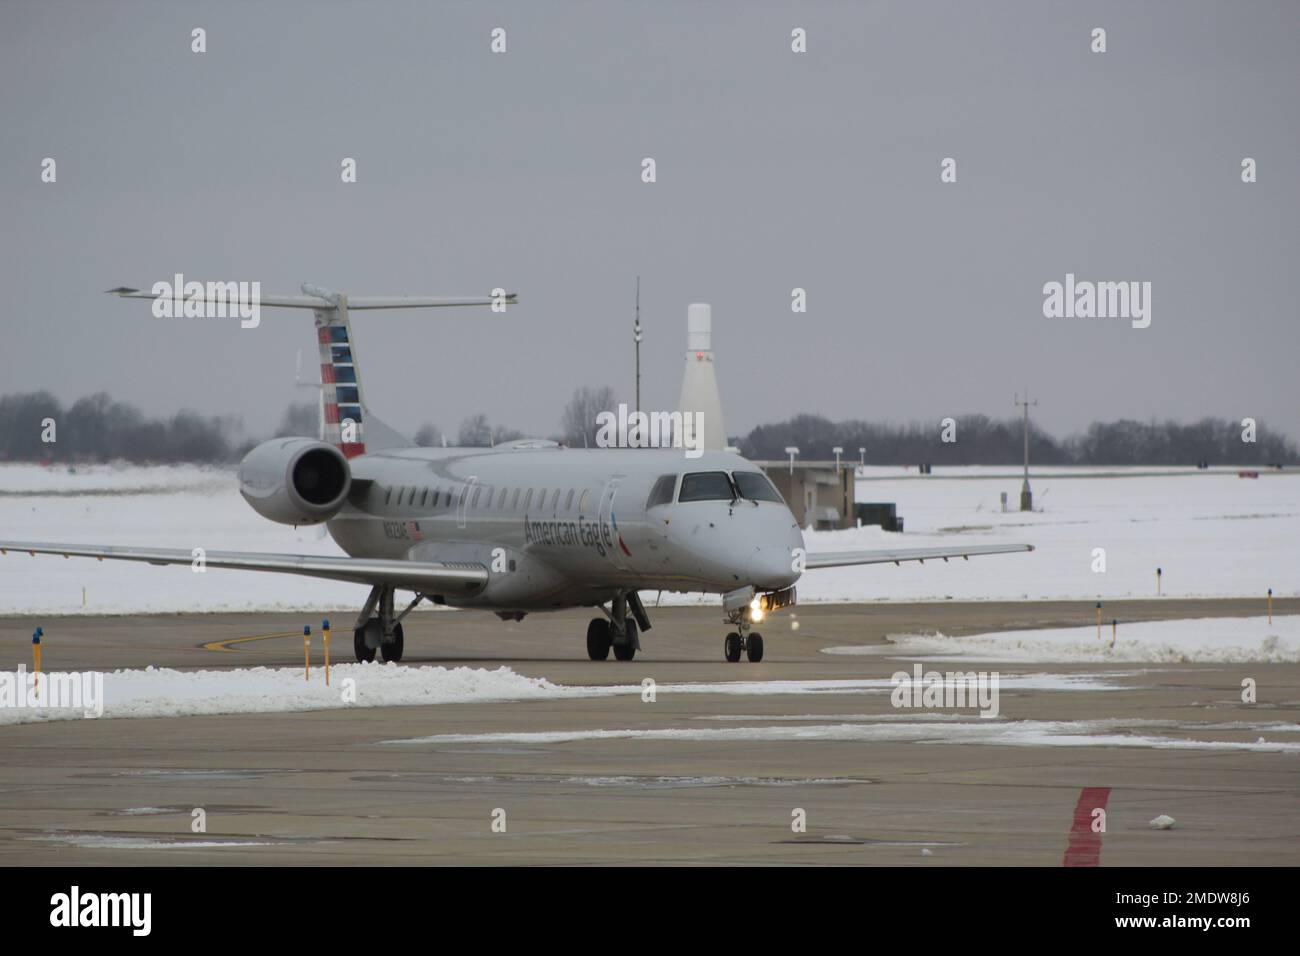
{"x":347,"y":421}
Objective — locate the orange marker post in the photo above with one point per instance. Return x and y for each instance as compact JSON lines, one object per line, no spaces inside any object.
{"x":325,"y":630}
{"x":306,"y":652}
{"x":1270,"y":606}
{"x":36,"y":657}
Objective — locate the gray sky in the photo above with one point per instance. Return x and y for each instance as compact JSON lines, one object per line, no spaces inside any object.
{"x":775,"y":170}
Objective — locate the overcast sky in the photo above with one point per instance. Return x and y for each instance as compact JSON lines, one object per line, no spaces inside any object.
{"x":775,"y":170}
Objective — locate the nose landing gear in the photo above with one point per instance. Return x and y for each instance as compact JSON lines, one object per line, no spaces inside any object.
{"x":743,"y":640}
{"x":737,"y":643}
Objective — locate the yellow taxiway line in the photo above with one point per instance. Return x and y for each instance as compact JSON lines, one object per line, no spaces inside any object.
{"x":225,"y":645}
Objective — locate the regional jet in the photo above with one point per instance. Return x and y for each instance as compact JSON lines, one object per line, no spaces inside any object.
{"x":521,"y":527}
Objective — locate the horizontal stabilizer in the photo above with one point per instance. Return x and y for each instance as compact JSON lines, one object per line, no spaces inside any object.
{"x":354,"y":302}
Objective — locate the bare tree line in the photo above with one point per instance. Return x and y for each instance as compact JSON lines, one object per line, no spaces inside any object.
{"x":980,"y":440}
{"x":97,"y":428}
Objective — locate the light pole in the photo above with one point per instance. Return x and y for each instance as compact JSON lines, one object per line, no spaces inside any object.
{"x":862,"y":457}
{"x":838,"y":451}
{"x":1026,"y":496}
{"x":792,"y":451}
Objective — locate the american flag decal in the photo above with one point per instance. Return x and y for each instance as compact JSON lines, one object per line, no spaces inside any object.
{"x":341,"y":391}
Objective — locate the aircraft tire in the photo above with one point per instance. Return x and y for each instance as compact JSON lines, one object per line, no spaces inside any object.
{"x":599,"y":639}
{"x":364,"y":654}
{"x":754,"y":648}
{"x":392,"y":651}
{"x":627,"y":650}
{"x":731,"y":647}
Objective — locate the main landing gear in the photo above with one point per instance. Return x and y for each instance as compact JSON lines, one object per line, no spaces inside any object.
{"x":619,"y":630}
{"x":378,"y":630}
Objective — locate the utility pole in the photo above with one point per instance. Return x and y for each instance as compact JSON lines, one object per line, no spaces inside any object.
{"x":1026,"y":496}
{"x":636,"y":337}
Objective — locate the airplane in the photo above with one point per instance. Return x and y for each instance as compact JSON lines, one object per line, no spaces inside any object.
{"x":522,"y":527}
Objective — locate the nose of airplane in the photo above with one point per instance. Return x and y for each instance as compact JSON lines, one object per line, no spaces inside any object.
{"x":770,"y":569}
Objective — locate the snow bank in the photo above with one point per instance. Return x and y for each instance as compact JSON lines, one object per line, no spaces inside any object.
{"x":1210,"y":639}
{"x":163,"y":692}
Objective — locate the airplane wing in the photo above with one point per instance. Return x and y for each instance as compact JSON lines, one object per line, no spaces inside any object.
{"x":426,"y":576}
{"x":836,"y":559}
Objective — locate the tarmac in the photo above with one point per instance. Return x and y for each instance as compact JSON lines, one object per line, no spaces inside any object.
{"x":322,"y":787}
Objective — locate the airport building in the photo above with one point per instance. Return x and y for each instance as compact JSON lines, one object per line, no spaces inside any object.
{"x":820,"y":493}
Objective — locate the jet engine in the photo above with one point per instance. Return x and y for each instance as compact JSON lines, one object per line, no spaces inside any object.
{"x":295,"y":480}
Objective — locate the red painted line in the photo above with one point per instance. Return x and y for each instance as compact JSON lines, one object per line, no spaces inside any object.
{"x":1085,"y":846}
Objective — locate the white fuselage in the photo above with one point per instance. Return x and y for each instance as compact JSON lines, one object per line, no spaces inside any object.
{"x":563,"y":527}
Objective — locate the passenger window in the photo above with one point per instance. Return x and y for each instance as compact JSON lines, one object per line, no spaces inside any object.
{"x":501,"y":499}
{"x":706,"y":486}
{"x":388,"y":496}
{"x":662,"y":492}
{"x":473,"y":502}
{"x":568,"y":501}
{"x":424,"y":497}
{"x":582,"y":502}
{"x":555,"y":500}
{"x":514,"y":502}
{"x":528,"y":499}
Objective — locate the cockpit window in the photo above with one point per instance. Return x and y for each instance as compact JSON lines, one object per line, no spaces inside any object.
{"x":755,"y":486}
{"x":706,"y":486}
{"x":662,"y":492}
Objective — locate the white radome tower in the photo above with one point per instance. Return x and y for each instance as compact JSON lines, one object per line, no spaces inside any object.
{"x":699,"y":384}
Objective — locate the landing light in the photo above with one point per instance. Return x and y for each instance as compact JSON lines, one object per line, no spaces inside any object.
{"x":756,"y":610}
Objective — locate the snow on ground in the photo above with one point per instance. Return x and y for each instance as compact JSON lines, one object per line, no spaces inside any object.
{"x":163,"y":692}
{"x":1215,"y":535}
{"x":1213,"y":639}
{"x":1013,"y":733}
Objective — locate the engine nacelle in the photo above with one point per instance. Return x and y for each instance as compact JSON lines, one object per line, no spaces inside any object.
{"x":295,"y":480}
